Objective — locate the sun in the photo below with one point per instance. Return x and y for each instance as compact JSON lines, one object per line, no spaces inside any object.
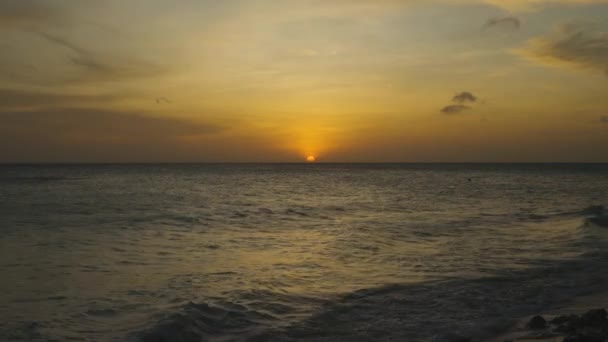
{"x":311,"y":159}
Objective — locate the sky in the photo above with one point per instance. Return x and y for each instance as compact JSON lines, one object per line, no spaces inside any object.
{"x":281,"y":80}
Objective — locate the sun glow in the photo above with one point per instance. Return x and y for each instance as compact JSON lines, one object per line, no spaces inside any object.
{"x":311,"y":159}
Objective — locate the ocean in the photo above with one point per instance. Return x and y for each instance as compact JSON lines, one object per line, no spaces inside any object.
{"x":294,"y":252}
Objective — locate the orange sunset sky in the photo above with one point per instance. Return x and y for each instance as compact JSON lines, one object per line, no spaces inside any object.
{"x":281,"y":80}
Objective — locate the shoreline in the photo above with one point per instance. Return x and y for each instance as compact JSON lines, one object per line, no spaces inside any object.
{"x":588,"y":326}
{"x":583,"y":320}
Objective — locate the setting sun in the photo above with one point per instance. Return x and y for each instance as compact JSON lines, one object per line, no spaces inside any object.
{"x":282,"y":170}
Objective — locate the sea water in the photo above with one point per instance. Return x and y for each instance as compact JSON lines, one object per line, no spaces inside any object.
{"x":282,"y":252}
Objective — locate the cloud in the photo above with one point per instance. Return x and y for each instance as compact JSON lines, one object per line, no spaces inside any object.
{"x":91,"y":135}
{"x":461,"y":99}
{"x":512,"y":5}
{"x":97,"y":68}
{"x":27,"y":14}
{"x":604,"y":119}
{"x":455,"y":109}
{"x":571,"y":46}
{"x":57,"y":22}
{"x":464,"y":97}
{"x":95,"y":123}
{"x":17,"y":99}
{"x":528,"y":5}
{"x":512,"y":22}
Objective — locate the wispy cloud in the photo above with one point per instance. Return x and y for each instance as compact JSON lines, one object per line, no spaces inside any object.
{"x":529,"y":5}
{"x":571,"y":45}
{"x":17,"y":98}
{"x":512,"y":22}
{"x":455,"y":109}
{"x":95,"y":67}
{"x":28,"y":14}
{"x":62,"y":134}
{"x":56,"y":23}
{"x":97,"y":126}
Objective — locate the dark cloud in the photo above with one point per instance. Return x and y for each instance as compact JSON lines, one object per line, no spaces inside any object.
{"x":512,"y":22}
{"x":28,"y":13}
{"x":47,"y":19}
{"x":15,"y":98}
{"x":573,"y":45}
{"x":63,"y":43}
{"x":604,"y":119}
{"x":454,"y":109}
{"x":94,"y":135}
{"x":98,"y":68}
{"x":101,"y":123}
{"x":464,"y":97}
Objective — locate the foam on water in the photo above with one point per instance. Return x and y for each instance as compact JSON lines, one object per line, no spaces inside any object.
{"x":284,"y":252}
{"x":475,"y":307}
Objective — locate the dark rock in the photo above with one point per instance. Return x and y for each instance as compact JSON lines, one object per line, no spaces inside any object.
{"x":585,"y":338}
{"x":537,"y":322}
{"x":573,"y":338}
{"x":594,"y":210}
{"x":451,"y":338}
{"x":564,"y":319}
{"x":565,"y":328}
{"x":601,"y":221}
{"x":574,"y":324}
{"x":595,"y":318}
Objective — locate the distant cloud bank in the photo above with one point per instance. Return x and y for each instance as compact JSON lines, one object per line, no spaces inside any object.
{"x":529,"y":5}
{"x":579,"y":46}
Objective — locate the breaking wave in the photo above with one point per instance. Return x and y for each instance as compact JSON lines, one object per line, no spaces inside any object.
{"x":475,"y":308}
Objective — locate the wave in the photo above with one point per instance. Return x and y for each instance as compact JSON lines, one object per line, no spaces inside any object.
{"x":601,"y":221}
{"x":202,"y":322}
{"x":595,"y":215}
{"x":433,"y":311}
{"x":597,"y":210}
{"x":592,"y":210}
{"x":472,"y":308}
{"x":475,"y":308}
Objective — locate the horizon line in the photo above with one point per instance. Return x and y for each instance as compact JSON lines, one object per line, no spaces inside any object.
{"x":300,"y":163}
